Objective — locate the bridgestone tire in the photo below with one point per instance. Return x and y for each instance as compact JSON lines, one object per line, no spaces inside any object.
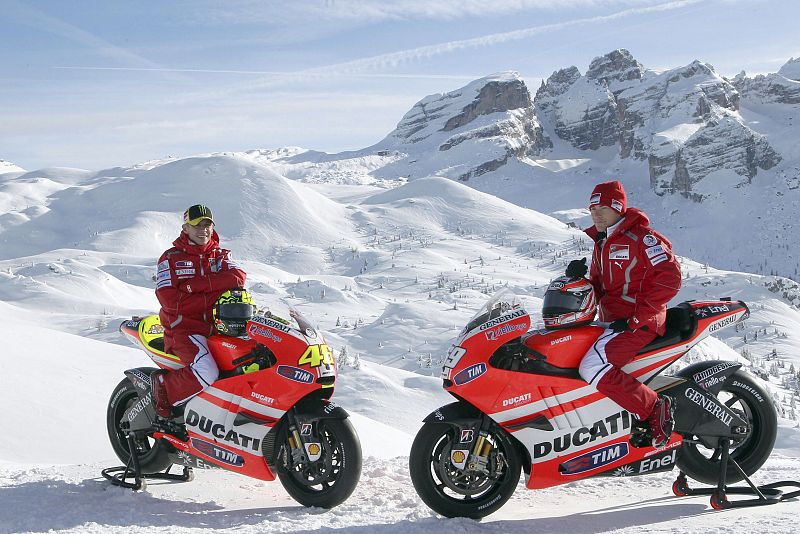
{"x":742,"y":394}
{"x":425,"y":465}
{"x":154,"y":456}
{"x":319,"y":483}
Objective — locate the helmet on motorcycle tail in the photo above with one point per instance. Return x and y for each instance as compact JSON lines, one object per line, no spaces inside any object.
{"x":568,"y":302}
{"x":232,"y":311}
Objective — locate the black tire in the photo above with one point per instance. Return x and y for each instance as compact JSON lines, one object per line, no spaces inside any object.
{"x":746,"y":397}
{"x":452,"y":492}
{"x":330,"y":480}
{"x":154,"y":456}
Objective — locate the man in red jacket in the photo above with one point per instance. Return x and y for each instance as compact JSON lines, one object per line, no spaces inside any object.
{"x":191,"y":276}
{"x":634,"y":274}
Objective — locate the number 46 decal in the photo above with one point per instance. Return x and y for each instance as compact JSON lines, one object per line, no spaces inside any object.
{"x":316,"y":355}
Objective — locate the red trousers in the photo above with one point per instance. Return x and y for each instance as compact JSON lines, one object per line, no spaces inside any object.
{"x":601,"y":366}
{"x":199,"y":371}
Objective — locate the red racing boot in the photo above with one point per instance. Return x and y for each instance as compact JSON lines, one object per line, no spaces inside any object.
{"x":661,"y":421}
{"x":158,"y":392}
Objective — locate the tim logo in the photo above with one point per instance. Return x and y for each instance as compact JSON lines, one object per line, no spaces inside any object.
{"x":469,"y":374}
{"x":295,"y":373}
{"x":217,"y":453}
{"x":594,"y":459}
{"x":466,"y":436}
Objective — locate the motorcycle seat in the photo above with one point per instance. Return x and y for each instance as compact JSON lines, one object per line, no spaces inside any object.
{"x":681,"y":324}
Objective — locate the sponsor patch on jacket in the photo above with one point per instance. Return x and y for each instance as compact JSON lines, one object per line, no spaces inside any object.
{"x":162,"y":275}
{"x":658,"y":259}
{"x":650,"y":240}
{"x":163,"y":266}
{"x":164,"y":283}
{"x":595,"y":199}
{"x":184,"y":272}
{"x":619,"y":252}
{"x":184,"y":264}
{"x":655,"y":251}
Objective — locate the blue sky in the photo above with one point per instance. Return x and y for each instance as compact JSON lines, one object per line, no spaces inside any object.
{"x":95,"y":84}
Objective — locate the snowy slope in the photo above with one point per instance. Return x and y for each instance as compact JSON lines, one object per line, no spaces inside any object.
{"x":61,"y":475}
{"x":389,"y":273}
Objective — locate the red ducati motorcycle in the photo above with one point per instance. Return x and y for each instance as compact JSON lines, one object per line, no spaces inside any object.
{"x":267,"y":413}
{"x":521,"y":404}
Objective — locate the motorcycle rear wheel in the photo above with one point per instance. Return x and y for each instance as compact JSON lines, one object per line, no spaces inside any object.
{"x":153,"y":455}
{"x":744,"y":395}
{"x":454,"y":492}
{"x":331,"y":479}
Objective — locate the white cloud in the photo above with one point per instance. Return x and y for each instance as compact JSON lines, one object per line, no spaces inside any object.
{"x":394,"y":59}
{"x":366,"y":11}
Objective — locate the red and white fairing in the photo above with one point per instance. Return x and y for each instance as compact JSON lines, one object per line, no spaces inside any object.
{"x":227,"y":422}
{"x":569,"y":429}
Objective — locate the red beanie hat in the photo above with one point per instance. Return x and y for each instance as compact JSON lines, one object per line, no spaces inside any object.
{"x":610,"y":194}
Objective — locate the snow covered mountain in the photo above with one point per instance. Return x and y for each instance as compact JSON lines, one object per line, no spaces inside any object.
{"x":681,"y":141}
{"x":683,"y":122}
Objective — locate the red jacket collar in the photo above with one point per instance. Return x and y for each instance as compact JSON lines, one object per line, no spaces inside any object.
{"x":185,"y":245}
{"x":633,"y":217}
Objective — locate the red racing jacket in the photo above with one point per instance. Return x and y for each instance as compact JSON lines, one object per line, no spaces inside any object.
{"x":634,"y":273}
{"x":189,"y":281}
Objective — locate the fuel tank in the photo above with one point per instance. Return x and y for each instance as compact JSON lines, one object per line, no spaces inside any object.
{"x":564,"y":347}
{"x":226,"y":349}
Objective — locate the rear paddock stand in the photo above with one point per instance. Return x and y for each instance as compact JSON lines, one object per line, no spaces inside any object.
{"x":766,"y":494}
{"x":119,"y":475}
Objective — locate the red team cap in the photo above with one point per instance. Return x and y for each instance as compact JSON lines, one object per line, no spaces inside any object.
{"x":610,"y":194}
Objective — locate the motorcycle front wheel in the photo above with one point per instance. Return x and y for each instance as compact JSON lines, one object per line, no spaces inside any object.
{"x":330,"y":480}
{"x":153,"y":456}
{"x":454,"y":492}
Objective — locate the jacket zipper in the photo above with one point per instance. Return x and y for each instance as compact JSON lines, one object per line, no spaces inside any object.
{"x":205,"y":295}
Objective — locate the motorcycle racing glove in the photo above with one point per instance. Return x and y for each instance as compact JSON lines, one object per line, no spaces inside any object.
{"x":577,"y":268}
{"x":620,"y":325}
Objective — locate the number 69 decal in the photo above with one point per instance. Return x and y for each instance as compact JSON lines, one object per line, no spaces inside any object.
{"x":316,"y":355}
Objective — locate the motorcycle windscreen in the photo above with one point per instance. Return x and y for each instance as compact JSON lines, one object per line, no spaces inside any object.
{"x":501,"y":302}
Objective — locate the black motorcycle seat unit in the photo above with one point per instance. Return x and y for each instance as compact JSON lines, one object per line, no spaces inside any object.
{"x":681,"y":324}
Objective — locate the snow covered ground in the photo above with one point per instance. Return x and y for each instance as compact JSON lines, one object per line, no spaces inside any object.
{"x":389,"y":270}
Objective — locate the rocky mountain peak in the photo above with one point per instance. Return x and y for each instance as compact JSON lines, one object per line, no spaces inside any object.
{"x":791,"y":69}
{"x":496,"y":95}
{"x":616,"y":69}
{"x":491,"y":117}
{"x":556,"y":85}
{"x":682,"y":125}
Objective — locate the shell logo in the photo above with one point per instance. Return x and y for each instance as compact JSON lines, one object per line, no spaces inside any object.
{"x":313,"y":449}
{"x":458,"y":457}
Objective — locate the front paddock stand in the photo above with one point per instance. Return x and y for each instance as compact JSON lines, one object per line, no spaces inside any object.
{"x":119,"y":475}
{"x":766,"y":494}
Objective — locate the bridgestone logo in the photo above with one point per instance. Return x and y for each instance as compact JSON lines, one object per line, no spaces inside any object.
{"x":709,"y":405}
{"x":748,"y":388}
{"x":699,"y":377}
